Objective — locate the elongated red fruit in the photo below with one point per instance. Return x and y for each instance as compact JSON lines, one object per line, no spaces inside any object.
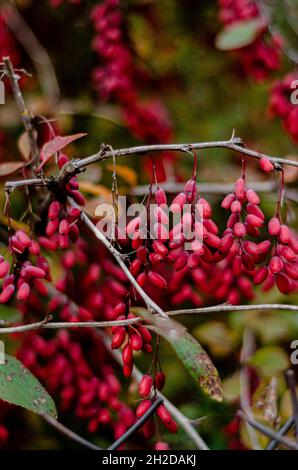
{"x":157,"y":280}
{"x":64,"y":227}
{"x":236,"y":207}
{"x":252,"y":196}
{"x":118,"y":337}
{"x":190,"y":190}
{"x":284,"y":234}
{"x":160,"y":197}
{"x":227,"y":201}
{"x":159,"y":248}
{"x":178,"y":203}
{"x":127,"y":355}
{"x":160,"y":380}
{"x":34,"y":271}
{"x":4,"y":269}
{"x":54,"y":210}
{"x":7,"y":293}
{"x":291,"y":270}
{"x":274,"y":226}
{"x":163,"y":414}
{"x":253,"y":220}
{"x":275,"y":265}
{"x":266,"y":165}
{"x":133,"y":225}
{"x":226,"y":243}
{"x":239,"y":230}
{"x":143,"y":407}
{"x":240,"y":188}
{"x":207,"y":211}
{"x":52,"y":226}
{"x":255,"y":210}
{"x":23,"y":292}
{"x":145,"y":385}
{"x":260,"y":275}
{"x":282,"y":283}
{"x":136,"y":341}
{"x":23,"y":238}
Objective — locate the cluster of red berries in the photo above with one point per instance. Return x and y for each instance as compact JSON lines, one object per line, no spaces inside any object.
{"x":147,"y":390}
{"x":117,"y":77}
{"x":263,"y":56}
{"x":84,"y":383}
{"x":280,"y":104}
{"x":7,"y":43}
{"x":22,"y":273}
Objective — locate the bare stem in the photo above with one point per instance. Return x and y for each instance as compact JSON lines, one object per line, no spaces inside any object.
{"x":24,"y":112}
{"x":232,"y":308}
{"x":268,"y":432}
{"x":78,"y":165}
{"x":69,"y":433}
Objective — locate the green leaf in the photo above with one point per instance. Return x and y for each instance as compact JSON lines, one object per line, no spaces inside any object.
{"x":238,"y":35}
{"x":189,"y":351}
{"x":270,"y":360}
{"x":19,"y":387}
{"x":9,"y":314}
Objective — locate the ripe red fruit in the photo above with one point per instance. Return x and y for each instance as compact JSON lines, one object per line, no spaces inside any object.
{"x":284,"y":234}
{"x":288,"y":253}
{"x":118,"y":337}
{"x":159,"y":248}
{"x":240,"y":188}
{"x":33,"y":271}
{"x":178,"y":203}
{"x":254,"y":221}
{"x":291,"y":270}
{"x":52,"y":226}
{"x":157,"y":280}
{"x":54,"y":210}
{"x":260,"y":275}
{"x":160,"y":197}
{"x":266,"y":165}
{"x":23,"y":238}
{"x":275,"y":265}
{"x":282,"y":283}
{"x":163,"y":414}
{"x":227,"y":201}
{"x":239,"y":230}
{"x":4,"y":268}
{"x":237,"y":266}
{"x":133,"y":225}
{"x":23,"y":292}
{"x":160,"y":380}
{"x":64,"y":227}
{"x":161,"y":446}
{"x":147,"y":337}
{"x":145,"y":386}
{"x":213,"y":240}
{"x":190,"y":190}
{"x":127,"y":355}
{"x":251,"y":248}
{"x":264,"y":246}
{"x":252,"y":196}
{"x":181,"y":261}
{"x":255,"y":210}
{"x":236,"y":207}
{"x":143,"y":407}
{"x":226,"y":243}
{"x":7,"y":293}
{"x":136,"y":341}
{"x":207,"y":211}
{"x":274,"y":226}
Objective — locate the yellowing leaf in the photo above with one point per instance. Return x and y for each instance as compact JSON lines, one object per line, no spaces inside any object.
{"x":125,"y":172}
{"x":24,"y":146}
{"x":95,"y":189}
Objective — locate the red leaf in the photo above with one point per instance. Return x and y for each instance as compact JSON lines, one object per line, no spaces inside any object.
{"x":53,"y":146}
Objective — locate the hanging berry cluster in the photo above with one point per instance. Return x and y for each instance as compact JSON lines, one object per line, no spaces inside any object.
{"x":263,"y":56}
{"x":280,"y":104}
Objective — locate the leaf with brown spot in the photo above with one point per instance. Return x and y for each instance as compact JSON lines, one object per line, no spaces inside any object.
{"x":189,"y":351}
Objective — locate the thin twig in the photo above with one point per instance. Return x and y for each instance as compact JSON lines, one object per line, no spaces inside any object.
{"x":247,"y":350}
{"x":69,"y":433}
{"x":268,"y":432}
{"x":78,"y":165}
{"x":37,"y":53}
{"x":290,"y":376}
{"x":283,"y":430}
{"x":45,"y":324}
{"x":232,"y":308}
{"x":101,"y":324}
{"x":136,"y":425}
{"x":24,"y":112}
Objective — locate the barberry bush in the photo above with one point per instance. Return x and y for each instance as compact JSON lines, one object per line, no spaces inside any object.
{"x":147,"y":287}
